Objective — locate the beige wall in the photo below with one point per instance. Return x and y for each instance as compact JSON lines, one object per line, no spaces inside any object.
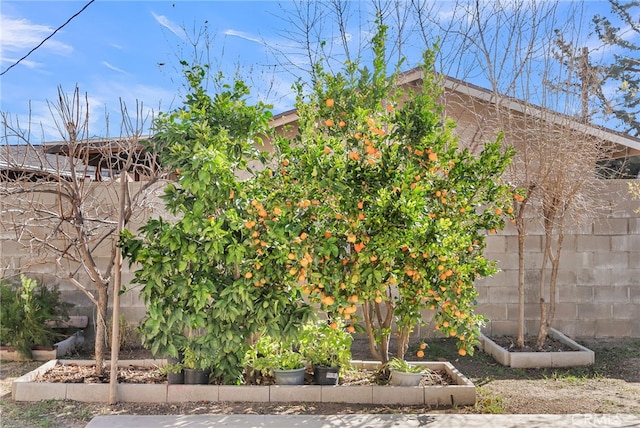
{"x":598,"y":285}
{"x":20,"y":255}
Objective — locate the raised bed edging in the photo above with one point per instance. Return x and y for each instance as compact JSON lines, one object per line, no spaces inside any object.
{"x":582,"y":356}
{"x":461,"y":394}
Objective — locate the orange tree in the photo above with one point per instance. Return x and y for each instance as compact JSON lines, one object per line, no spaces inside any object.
{"x":387,"y":215}
{"x":196,"y":269}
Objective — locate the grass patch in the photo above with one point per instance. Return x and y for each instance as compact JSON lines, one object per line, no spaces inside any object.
{"x":570,"y":377}
{"x":489,"y":403}
{"x":17,"y":368}
{"x":42,"y":414}
{"x":570,"y":374}
{"x":607,"y":355}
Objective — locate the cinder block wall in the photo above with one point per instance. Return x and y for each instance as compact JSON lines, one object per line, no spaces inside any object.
{"x":598,"y":291}
{"x":16,"y":257}
{"x":598,"y":287}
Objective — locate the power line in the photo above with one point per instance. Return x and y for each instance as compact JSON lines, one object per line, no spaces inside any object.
{"x":50,"y":36}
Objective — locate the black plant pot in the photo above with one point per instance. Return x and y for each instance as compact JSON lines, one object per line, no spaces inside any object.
{"x":196,"y":377}
{"x":175,"y":378}
{"x":325,"y":375}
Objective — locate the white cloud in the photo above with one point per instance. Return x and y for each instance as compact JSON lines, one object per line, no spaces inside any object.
{"x":165,"y":22}
{"x":104,"y":101}
{"x":25,"y":62}
{"x":243,"y":35}
{"x":112,"y":67}
{"x":21,"y":35}
{"x":277,"y":90}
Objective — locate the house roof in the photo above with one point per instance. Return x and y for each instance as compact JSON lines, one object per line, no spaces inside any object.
{"x":53,"y":156}
{"x":93,"y":158}
{"x":630,"y":145}
{"x":30,"y":159}
{"x":95,"y":149}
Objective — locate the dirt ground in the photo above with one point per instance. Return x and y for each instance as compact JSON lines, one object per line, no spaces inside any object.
{"x":612,"y":385}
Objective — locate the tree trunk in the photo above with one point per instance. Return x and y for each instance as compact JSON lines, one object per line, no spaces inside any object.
{"x":547,"y":256}
{"x":101,"y":327}
{"x":555,"y":263}
{"x":115,"y":340}
{"x":374,"y":322}
{"x":117,"y":284}
{"x":403,"y":341}
{"x":544,"y":326}
{"x":554,"y":277}
{"x":521,"y":237}
{"x":369,"y":327}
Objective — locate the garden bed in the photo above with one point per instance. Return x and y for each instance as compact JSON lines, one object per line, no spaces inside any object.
{"x":567,"y":353}
{"x":457,"y":390}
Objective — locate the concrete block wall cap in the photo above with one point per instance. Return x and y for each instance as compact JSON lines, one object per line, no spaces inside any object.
{"x":558,"y":335}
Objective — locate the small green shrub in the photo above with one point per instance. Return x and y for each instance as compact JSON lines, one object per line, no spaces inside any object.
{"x":404,"y":366}
{"x":268,"y":354}
{"x":197,"y":354}
{"x":24,"y":310}
{"x":327,"y":344}
{"x":173,"y":368}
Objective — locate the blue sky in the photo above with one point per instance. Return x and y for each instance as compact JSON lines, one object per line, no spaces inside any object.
{"x":130,"y":50}
{"x":122,"y":49}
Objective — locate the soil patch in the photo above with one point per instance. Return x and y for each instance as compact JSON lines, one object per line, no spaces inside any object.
{"x":74,"y":373}
{"x":550,"y":345}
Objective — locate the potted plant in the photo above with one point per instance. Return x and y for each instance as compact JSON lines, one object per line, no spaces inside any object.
{"x":279,"y":359}
{"x":326,"y":345}
{"x":174,"y":372}
{"x":404,"y":373}
{"x":197,"y":365}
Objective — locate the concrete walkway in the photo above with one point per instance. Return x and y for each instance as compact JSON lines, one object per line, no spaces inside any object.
{"x":368,"y":421}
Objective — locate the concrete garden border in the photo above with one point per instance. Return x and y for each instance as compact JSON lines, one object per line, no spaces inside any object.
{"x":462,"y":393}
{"x":581,"y":356}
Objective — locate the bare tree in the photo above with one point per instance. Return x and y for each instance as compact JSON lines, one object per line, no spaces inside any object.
{"x":527,"y":51}
{"x":63,"y":203}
